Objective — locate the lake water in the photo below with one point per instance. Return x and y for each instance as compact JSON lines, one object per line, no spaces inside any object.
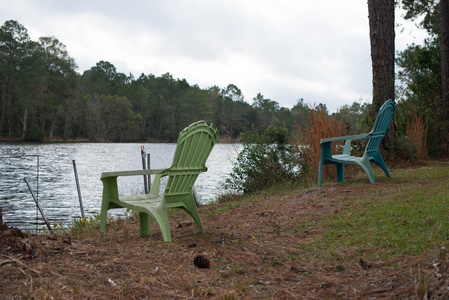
{"x":50,"y":173}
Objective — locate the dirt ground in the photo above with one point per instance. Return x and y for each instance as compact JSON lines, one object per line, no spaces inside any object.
{"x":252,"y":248}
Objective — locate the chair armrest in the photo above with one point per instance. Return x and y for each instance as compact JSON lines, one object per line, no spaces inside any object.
{"x":111,"y":177}
{"x":326,"y":148}
{"x":344,"y":138}
{"x":131,"y":173}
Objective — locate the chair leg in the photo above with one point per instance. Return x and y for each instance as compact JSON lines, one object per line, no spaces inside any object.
{"x":162,"y":221}
{"x":145,"y":224}
{"x":378,"y":159}
{"x":103,"y":217}
{"x":320,"y":173}
{"x":192,"y":210}
{"x":368,"y":170}
{"x":340,"y":172}
{"x":196,"y":216}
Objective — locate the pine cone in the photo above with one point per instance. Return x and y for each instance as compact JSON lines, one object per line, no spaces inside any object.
{"x":201,"y":261}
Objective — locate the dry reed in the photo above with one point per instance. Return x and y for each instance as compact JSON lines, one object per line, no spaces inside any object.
{"x":417,"y":135}
{"x":308,"y":141}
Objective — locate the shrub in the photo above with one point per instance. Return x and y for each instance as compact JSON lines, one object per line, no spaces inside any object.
{"x":34,"y":134}
{"x":267,"y":158}
{"x":405,"y":149}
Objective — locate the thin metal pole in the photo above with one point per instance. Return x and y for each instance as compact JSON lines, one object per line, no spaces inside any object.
{"x":149,"y":168}
{"x":78,"y":188}
{"x":142,"y":152}
{"x":37,"y":191}
{"x":37,"y":204}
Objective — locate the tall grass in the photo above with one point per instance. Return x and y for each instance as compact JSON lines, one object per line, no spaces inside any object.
{"x":417,"y":135}
{"x":308,"y":141}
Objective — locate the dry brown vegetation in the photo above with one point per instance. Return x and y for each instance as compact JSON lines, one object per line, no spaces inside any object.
{"x":417,"y":134}
{"x":265,"y":247}
{"x":322,"y":126}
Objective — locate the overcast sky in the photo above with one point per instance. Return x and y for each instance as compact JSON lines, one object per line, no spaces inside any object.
{"x":285,"y":49}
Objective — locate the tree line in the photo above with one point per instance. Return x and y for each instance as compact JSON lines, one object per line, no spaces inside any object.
{"x":43,"y":96}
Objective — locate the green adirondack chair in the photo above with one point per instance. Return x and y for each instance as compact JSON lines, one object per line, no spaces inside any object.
{"x":371,"y":153}
{"x":194,"y":146}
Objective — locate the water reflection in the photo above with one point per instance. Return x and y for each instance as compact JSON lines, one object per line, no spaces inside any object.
{"x":49,"y":170}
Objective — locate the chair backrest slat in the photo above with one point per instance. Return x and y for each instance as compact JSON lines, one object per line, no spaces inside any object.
{"x":195,"y":143}
{"x":381,"y":124}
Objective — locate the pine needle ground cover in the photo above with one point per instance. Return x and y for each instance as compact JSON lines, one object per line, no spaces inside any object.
{"x":351,"y":240}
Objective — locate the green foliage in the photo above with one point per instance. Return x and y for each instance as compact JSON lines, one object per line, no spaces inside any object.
{"x":79,"y":226}
{"x":357,"y":117}
{"x":425,"y":10}
{"x":301,"y":114}
{"x":421,"y":76}
{"x":82,"y":225}
{"x":103,"y":79}
{"x":34,"y":135}
{"x":228,"y":196}
{"x":267,"y":158}
{"x":405,"y":149}
{"x":113,"y":119}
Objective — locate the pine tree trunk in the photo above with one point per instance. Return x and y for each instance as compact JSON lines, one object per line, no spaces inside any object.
{"x":381,"y":24}
{"x":4,"y":106}
{"x":24,"y":123}
{"x":444,"y":25}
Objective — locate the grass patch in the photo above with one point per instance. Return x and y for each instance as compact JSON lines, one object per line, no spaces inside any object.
{"x":408,"y":217}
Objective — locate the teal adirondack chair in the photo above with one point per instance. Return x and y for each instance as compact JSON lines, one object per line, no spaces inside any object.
{"x":371,"y":153}
{"x":194,"y":146}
